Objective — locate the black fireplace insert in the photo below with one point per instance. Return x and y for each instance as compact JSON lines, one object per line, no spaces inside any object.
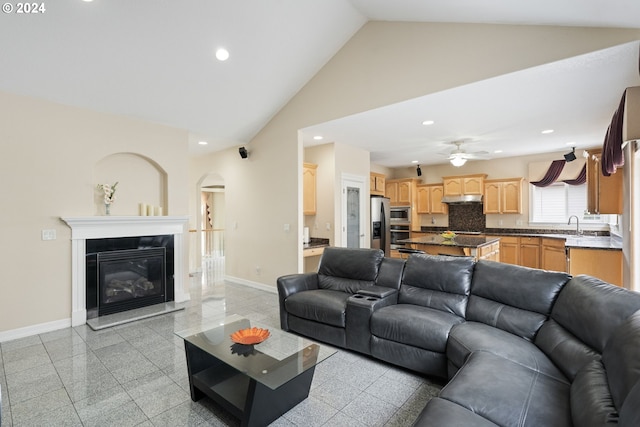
{"x":128,"y":273}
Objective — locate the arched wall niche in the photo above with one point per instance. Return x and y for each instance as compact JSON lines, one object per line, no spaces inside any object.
{"x":140,"y":180}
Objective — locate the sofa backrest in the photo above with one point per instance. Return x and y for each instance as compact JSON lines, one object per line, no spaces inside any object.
{"x":439,"y":282}
{"x":349,"y":270}
{"x":584,"y":317}
{"x":513,"y":298}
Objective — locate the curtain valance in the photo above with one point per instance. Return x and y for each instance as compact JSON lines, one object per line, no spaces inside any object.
{"x":542,"y":174}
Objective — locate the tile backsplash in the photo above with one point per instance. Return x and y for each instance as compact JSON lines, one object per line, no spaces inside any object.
{"x":467,"y":217}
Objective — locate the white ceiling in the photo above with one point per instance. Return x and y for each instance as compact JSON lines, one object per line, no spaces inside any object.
{"x":155,"y":60}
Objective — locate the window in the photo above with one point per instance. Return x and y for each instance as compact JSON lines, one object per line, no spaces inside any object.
{"x":557,"y":202}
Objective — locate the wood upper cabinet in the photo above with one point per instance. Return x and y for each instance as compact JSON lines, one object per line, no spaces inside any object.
{"x":401,"y":191}
{"x":502,"y":196}
{"x":429,"y":199}
{"x":553,"y":255}
{"x":377,"y":184}
{"x":463,"y":185}
{"x":604,"y":193}
{"x":309,"y":188}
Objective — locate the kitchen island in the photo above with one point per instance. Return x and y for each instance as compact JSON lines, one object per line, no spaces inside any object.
{"x":461,"y":245}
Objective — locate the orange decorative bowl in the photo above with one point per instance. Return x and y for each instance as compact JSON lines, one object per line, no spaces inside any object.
{"x":250,"y":336}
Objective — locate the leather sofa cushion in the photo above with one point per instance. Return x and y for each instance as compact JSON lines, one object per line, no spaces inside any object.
{"x":630,"y":412}
{"x":358,"y":266}
{"x":320,"y":305}
{"x":621,"y":359}
{"x":468,"y":337}
{"x":513,"y":298}
{"x":584,"y":296}
{"x":414,"y":325}
{"x":439,"y":282}
{"x":428,"y":362}
{"x":591,"y":402}
{"x":440,"y":412}
{"x":508,"y":393}
{"x":564,"y":349}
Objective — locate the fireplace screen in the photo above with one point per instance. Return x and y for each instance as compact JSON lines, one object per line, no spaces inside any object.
{"x":130,"y":278}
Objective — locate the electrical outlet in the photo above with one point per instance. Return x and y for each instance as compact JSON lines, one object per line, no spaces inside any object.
{"x":287,"y":227}
{"x":433,"y":220}
{"x":519,"y":222}
{"x":500,"y":222}
{"x":258,"y":270}
{"x":49,"y":234}
{"x":328,"y":225}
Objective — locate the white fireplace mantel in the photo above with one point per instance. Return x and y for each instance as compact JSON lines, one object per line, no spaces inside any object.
{"x":102,"y":227}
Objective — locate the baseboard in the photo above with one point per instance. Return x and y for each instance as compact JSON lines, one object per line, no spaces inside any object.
{"x":251,"y":284}
{"x":40,"y":328}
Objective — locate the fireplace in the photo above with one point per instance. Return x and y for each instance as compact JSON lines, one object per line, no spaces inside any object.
{"x":128,"y":273}
{"x":130,"y":232}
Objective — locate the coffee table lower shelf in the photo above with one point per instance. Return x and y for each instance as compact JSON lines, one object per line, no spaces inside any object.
{"x":245,"y":398}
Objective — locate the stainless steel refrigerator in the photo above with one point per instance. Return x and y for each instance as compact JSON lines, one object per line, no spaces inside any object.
{"x":380,"y":224}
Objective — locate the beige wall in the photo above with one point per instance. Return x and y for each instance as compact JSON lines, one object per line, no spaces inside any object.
{"x":52,"y":159}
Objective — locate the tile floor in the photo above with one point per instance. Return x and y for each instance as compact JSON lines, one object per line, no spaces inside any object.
{"x":136,"y":375}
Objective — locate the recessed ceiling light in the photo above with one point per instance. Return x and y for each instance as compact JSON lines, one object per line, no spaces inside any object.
{"x":498,"y":151}
{"x":88,"y":1}
{"x":428,"y":122}
{"x":222,"y":54}
{"x":318,"y":138}
{"x":203,"y":142}
{"x":571,"y":144}
{"x":414,"y":161}
{"x":547,"y":131}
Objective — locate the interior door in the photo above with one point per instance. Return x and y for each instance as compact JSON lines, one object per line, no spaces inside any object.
{"x":353,"y":212}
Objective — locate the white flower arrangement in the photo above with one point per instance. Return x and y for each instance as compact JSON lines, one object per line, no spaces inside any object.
{"x":109,"y":192}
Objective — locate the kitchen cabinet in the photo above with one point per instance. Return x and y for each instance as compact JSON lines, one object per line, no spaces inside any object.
{"x":429,"y":199}
{"x":464,"y":185}
{"x":523,"y":251}
{"x":377,"y":184}
{"x":530,"y":252}
{"x":604,"y":264}
{"x":490,"y":252}
{"x":503,"y":196}
{"x":400,"y":191}
{"x":604,"y":193}
{"x":309,"y":188}
{"x":553,"y":255}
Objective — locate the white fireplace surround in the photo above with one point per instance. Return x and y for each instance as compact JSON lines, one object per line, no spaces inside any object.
{"x":101,"y":227}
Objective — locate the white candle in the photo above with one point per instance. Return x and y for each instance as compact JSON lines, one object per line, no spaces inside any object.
{"x":142,"y":209}
{"x":149,"y":210}
{"x":158,"y":211}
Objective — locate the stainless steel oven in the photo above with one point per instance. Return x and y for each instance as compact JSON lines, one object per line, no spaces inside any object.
{"x":400,"y":215}
{"x":398,"y":233}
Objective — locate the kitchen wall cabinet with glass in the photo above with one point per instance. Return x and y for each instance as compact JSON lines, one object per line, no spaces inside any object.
{"x":377,"y":184}
{"x":464,"y":185}
{"x":503,"y":196}
{"x":309,"y":188}
{"x":429,"y":199}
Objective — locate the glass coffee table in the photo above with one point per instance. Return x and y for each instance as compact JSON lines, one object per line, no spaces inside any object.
{"x":255,"y":383}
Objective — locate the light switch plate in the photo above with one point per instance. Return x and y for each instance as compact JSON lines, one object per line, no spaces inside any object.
{"x":49,"y":234}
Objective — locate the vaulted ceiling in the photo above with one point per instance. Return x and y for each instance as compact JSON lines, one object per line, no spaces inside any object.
{"x":155,"y":61}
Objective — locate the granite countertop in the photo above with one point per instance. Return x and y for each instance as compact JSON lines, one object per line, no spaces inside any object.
{"x":461,"y":240}
{"x":315,"y":242}
{"x":571,"y":240}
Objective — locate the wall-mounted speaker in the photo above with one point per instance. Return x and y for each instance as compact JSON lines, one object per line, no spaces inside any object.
{"x":243,"y":152}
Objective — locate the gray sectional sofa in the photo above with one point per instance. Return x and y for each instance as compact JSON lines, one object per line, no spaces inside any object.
{"x":518,"y":346}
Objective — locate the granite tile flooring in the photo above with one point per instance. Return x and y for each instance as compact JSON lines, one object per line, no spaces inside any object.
{"x":136,"y":375}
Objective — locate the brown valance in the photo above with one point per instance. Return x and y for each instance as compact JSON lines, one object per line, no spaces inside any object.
{"x":580,"y":179}
{"x":552,"y":174}
{"x":612,"y":156}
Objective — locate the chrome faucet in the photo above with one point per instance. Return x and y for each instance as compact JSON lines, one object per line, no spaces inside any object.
{"x":577,"y":223}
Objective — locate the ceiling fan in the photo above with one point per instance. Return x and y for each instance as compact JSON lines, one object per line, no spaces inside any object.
{"x":459,"y":156}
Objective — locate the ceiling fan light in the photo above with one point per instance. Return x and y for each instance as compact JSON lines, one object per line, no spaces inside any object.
{"x":458,"y":161}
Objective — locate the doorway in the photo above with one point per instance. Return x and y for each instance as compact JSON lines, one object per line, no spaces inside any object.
{"x":353,"y":212}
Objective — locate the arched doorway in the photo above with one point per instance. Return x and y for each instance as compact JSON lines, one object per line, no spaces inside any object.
{"x":211,"y":229}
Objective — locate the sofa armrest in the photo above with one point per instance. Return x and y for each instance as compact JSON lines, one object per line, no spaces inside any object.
{"x":292,"y":284}
{"x":378,"y":292}
{"x":359,"y":310}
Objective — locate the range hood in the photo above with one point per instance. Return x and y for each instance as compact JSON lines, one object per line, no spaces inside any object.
{"x":468,"y":198}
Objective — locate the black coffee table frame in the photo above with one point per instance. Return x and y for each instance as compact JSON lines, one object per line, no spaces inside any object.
{"x":250,"y":384}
